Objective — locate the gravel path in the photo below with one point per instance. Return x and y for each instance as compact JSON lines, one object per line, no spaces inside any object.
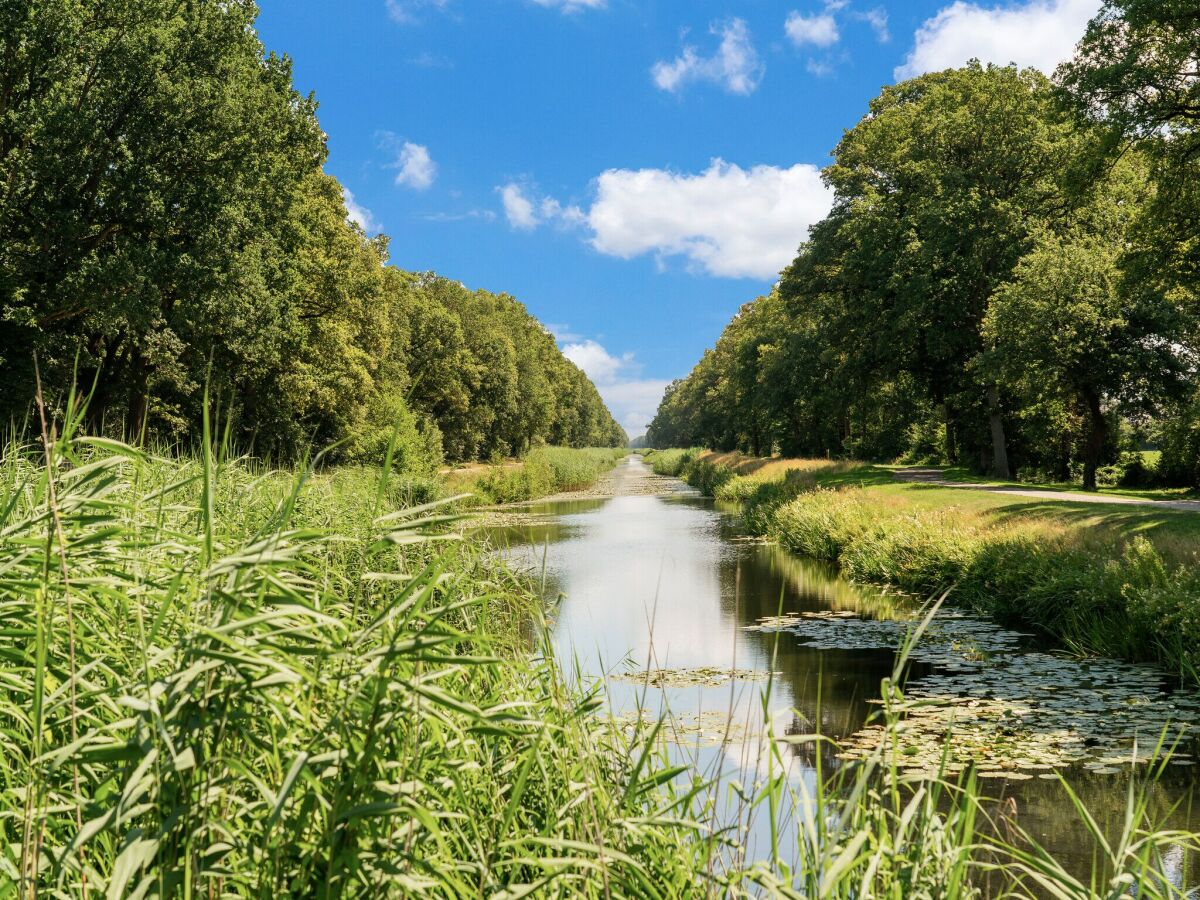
{"x":935,"y":477}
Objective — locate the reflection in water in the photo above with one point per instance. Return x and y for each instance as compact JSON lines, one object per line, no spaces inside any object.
{"x":651,"y":582}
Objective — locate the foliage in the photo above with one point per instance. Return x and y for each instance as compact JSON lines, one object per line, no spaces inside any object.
{"x":546,"y":470}
{"x":672,"y":462}
{"x":168,"y":232}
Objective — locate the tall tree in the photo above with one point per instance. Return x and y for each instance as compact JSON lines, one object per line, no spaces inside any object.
{"x":146,"y":146}
{"x":938,"y":192}
{"x":1071,"y":325}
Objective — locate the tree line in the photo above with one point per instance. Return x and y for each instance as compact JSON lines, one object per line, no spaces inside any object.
{"x":1007,"y":279}
{"x":167,"y":233}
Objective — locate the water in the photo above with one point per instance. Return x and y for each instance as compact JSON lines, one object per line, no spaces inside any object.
{"x":646,"y":581}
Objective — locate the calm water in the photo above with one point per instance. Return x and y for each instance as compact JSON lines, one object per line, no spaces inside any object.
{"x":650,"y":582}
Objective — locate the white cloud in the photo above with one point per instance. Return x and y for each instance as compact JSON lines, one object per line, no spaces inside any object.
{"x":407,"y":12}
{"x":562,"y":333}
{"x":878,"y":20}
{"x":819,"y":29}
{"x":600,"y":366}
{"x":359,"y":215}
{"x":570,"y":6}
{"x":526,"y":212}
{"x":417,"y":169}
{"x":733,"y":222}
{"x":517,"y":207}
{"x":1038,"y":33}
{"x":634,"y":403}
{"x":486,"y":215}
{"x":632,"y":400}
{"x":735,"y":65}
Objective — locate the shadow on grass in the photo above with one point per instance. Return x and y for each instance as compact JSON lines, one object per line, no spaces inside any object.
{"x":1122,"y":520}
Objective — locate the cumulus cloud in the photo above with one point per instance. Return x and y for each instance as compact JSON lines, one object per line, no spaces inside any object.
{"x":415,"y":167}
{"x":819,"y":29}
{"x":735,"y":64}
{"x":632,"y":400}
{"x":359,"y":215}
{"x":518,"y":208}
{"x":600,"y":365}
{"x":1038,"y":33}
{"x":727,"y":220}
{"x":525,"y":211}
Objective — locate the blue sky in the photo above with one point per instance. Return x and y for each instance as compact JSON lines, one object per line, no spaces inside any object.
{"x":632,"y":171}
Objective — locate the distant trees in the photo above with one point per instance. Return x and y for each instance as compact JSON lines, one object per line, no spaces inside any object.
{"x":164,"y":225}
{"x":1009,"y":270}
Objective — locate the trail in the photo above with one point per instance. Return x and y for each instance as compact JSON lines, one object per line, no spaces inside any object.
{"x":935,"y":477}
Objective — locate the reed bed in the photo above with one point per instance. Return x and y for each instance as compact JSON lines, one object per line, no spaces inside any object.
{"x":221,"y":681}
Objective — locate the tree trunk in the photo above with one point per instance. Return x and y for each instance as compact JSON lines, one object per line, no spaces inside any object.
{"x":999,"y":445}
{"x":1097,"y":434}
{"x":951,"y":443}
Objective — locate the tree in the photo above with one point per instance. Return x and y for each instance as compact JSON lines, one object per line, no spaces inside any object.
{"x":939,"y":190}
{"x":147,"y":148}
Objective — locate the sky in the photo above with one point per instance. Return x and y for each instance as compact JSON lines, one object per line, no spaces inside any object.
{"x":633,"y":172}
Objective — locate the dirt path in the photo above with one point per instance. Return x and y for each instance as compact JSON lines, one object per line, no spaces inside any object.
{"x":935,"y":477}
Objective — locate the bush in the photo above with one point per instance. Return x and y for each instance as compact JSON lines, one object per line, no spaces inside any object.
{"x":546,"y":470}
{"x":1180,"y":461}
{"x":416,"y":447}
{"x":706,"y":477}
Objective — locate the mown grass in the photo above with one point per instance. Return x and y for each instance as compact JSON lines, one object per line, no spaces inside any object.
{"x":543,"y":471}
{"x":959,"y":473}
{"x":1116,"y":580}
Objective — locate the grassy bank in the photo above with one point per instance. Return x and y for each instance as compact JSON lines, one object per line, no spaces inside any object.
{"x":1115,"y":580}
{"x":543,"y":471}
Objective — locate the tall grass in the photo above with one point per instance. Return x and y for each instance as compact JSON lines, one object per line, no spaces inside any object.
{"x":671,"y":462}
{"x":225,"y":681}
{"x":544,"y":471}
{"x":1095,"y":595}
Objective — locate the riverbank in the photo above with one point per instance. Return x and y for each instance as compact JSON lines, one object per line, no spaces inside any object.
{"x":543,"y":472}
{"x":1116,"y":580}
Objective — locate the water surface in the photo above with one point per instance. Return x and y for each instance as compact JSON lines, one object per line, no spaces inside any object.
{"x":643,"y":582}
